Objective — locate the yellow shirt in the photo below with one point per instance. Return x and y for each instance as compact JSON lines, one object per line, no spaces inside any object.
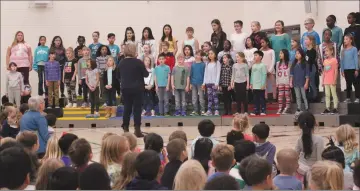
{"x":171,"y":44}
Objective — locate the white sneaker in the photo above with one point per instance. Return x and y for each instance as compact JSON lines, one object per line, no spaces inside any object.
{"x":143,"y":113}
{"x":57,"y":107}
{"x":152,"y":113}
{"x":104,"y":105}
{"x":262,"y":114}
{"x":356,"y":100}
{"x":49,"y":107}
{"x":279,"y":111}
{"x":347,"y":100}
{"x":69,"y":105}
{"x":74,"y":105}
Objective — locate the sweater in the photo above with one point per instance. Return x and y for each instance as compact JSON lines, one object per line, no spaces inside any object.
{"x":282,"y":73}
{"x":349,"y":59}
{"x":317,"y":149}
{"x":212,"y":73}
{"x":14,"y":80}
{"x":132,"y":72}
{"x":279,"y":42}
{"x":8,"y":130}
{"x":266,"y":150}
{"x":52,"y":71}
{"x":258,"y":76}
{"x":240,"y":73}
{"x":171,"y":168}
{"x":41,"y":54}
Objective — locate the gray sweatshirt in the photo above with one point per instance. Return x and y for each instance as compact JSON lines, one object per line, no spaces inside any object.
{"x":212,"y":73}
{"x":282,"y":73}
{"x":240,"y":73}
{"x":14,"y":80}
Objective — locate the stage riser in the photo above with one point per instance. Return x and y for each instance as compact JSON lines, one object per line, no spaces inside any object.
{"x":353,"y":120}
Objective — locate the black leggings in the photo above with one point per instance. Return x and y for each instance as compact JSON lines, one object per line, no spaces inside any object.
{"x":350,"y":81}
{"x":227,"y":99}
{"x":241,"y":96}
{"x":94,"y":100}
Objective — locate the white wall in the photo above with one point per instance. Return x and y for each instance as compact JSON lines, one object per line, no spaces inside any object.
{"x":72,"y":18}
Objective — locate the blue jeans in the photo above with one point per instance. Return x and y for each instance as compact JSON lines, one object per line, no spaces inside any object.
{"x":148,"y":100}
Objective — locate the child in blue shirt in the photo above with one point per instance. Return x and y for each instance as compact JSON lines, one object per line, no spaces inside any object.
{"x":114,"y":49}
{"x":162,"y":81}
{"x":309,"y":25}
{"x":95,"y":45}
{"x":41,"y":55}
{"x":258,"y":83}
{"x":196,"y":80}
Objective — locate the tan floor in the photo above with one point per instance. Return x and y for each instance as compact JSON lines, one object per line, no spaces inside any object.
{"x":282,"y":137}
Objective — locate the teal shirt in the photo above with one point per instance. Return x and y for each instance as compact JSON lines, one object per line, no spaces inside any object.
{"x":337,"y":36}
{"x":162,"y":72}
{"x":280,"y":42}
{"x":114,"y":50}
{"x":258,"y":76}
{"x":41,"y":54}
{"x":93,"y":48}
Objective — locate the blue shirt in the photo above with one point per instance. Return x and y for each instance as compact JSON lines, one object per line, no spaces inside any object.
{"x":299,"y":74}
{"x":216,"y":174}
{"x":312,"y":33}
{"x":287,"y":183}
{"x":162,"y":72}
{"x":292,"y":56}
{"x":114,"y":50}
{"x":349,"y":59}
{"x":41,"y":54}
{"x":197,"y":73}
{"x":93,"y":48}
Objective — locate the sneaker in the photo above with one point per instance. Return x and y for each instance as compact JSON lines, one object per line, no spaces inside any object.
{"x":208,"y":113}
{"x":183,"y":113}
{"x":262,"y":113}
{"x":57,"y":107}
{"x":143,"y":113}
{"x":74,"y":105}
{"x":90,"y":116}
{"x":152,"y":113}
{"x":49,"y":107}
{"x":203,"y":113}
{"x":104,"y":105}
{"x":286,"y":111}
{"x":69,"y":105}
{"x":252,"y":114}
{"x":96,"y":115}
{"x":83,"y":105}
{"x":298,"y":111}
{"x":177,"y":113}
{"x":193,"y":113}
{"x":167,"y":114}
{"x":326,"y":111}
{"x":347,"y":100}
{"x":357,"y":100}
{"x":279,"y":111}
{"x":334,"y":112}
{"x":216,"y":113}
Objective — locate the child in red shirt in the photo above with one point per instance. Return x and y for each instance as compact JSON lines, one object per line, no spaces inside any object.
{"x":169,"y":56}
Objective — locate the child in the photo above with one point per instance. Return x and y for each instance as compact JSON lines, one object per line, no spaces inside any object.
{"x":110,"y":82}
{"x":202,"y":152}
{"x":153,"y":141}
{"x":189,"y":56}
{"x":94,"y":177}
{"x":283,"y":81}
{"x":287,"y":160}
{"x":129,"y":36}
{"x":162,"y":81}
{"x":190,"y":40}
{"x":240,"y":82}
{"x":29,"y":140}
{"x":337,"y":32}
{"x":149,"y":88}
{"x":41,"y":55}
{"x":314,"y":69}
{"x":180,"y":85}
{"x":128,"y":171}
{"x":112,"y":154}
{"x":224,"y":182}
{"x":45,"y":171}
{"x":147,"y":38}
{"x":263,"y":147}
{"x":249,"y":51}
{"x":295,"y":44}
{"x":51,"y":120}
{"x":222,"y":157}
{"x":240,"y":124}
{"x":14,"y":85}
{"x":196,"y":80}
{"x":80,"y":154}
{"x":309,"y":25}
{"x":280,"y":40}
{"x":258,"y":83}
{"x":327,"y":36}
{"x":27,"y":94}
{"x":178,"y":134}
{"x":349,"y":67}
{"x":225,"y":83}
{"x":169,"y":56}
{"x":10,"y":126}
{"x":102,"y":55}
{"x":78,"y":49}
{"x":329,"y":79}
{"x":218,"y":36}
{"x":206,"y":129}
{"x":60,"y":56}
{"x":53,"y":150}
{"x":167,"y":37}
{"x":269,"y":61}
{"x":326,"y":175}
{"x":82,"y":68}
{"x":65,"y":142}
{"x":346,"y":137}
{"x":69,"y":77}
{"x":92,"y":81}
{"x":132,"y":140}
{"x":95,"y":45}
{"x":227,"y":50}
{"x":258,"y":174}
{"x":53,"y":77}
{"x":114,"y":49}
{"x":146,"y":52}
{"x":64,"y":178}
{"x":299,"y":79}
{"x":238,"y":38}
{"x":211,"y":82}
{"x":190,"y":176}
{"x":177,"y":154}
{"x":256,"y":34}
{"x":206,"y":47}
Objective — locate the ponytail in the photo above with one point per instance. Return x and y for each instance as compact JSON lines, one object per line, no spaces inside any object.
{"x":307,"y":123}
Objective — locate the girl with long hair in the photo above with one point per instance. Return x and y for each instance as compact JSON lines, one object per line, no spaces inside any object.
{"x":167,"y":36}
{"x":218,"y":36}
{"x":58,"y":47}
{"x":41,"y":55}
{"x":147,"y":38}
{"x":280,"y":40}
{"x":283,"y":81}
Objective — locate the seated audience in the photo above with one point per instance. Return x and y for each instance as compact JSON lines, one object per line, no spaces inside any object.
{"x":128,"y":171}
{"x":202,"y":152}
{"x":263,"y":147}
{"x":206,"y":129}
{"x":23,"y":108}
{"x":155,"y":142}
{"x":52,"y":149}
{"x":10,"y":126}
{"x":326,"y":175}
{"x":94,"y":177}
{"x":132,"y":142}
{"x":190,"y":176}
{"x":64,"y":178}
{"x":222,"y":158}
{"x":356,"y":175}
{"x":65,"y":142}
{"x":258,"y":174}
{"x":45,"y":171}
{"x":240,"y":125}
{"x":80,"y":154}
{"x":242,"y":169}
{"x":223,"y":182}
{"x":7,"y":140}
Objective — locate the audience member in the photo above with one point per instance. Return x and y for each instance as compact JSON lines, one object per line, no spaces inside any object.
{"x":190,"y":176}
{"x":94,"y":177}
{"x":65,"y":142}
{"x":206,"y":129}
{"x":128,"y":171}
{"x":155,"y":142}
{"x":258,"y":174}
{"x":178,"y":134}
{"x":356,"y":175}
{"x":7,"y":140}
{"x":106,"y":135}
{"x":222,"y":157}
{"x":80,"y":154}
{"x":10,"y":126}
{"x":242,"y":169}
{"x":203,"y":148}
{"x":263,"y":148}
{"x":51,"y":120}
{"x":223,"y":182}
{"x":132,"y":142}
{"x":23,"y":108}
{"x":45,"y":171}
{"x":52,"y":149}
{"x":64,"y":178}
{"x":326,"y":175}
{"x":240,"y":123}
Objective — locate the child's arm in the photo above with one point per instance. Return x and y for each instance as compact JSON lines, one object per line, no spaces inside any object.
{"x":276,"y":70}
{"x":342,"y":62}
{"x":30,"y":57}
{"x":263,"y":77}
{"x":247,"y":76}
{"x":291,"y":75}
{"x":151,"y":82}
{"x":232,"y":76}
{"x":307,"y":76}
{"x":35,"y":64}
{"x":168,"y":82}
{"x":79,"y":70}
{"x":218,"y":70}
{"x":87,"y":79}
{"x":97,"y":78}
{"x":75,"y":72}
{"x":272,"y":61}
{"x":175,"y":46}
{"x":187,"y":80}
{"x":172,"y":78}
{"x":155,"y":81}
{"x":196,"y":45}
{"x":205,"y":75}
{"x":336,"y":72}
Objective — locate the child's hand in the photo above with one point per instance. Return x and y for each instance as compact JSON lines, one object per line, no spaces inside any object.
{"x":232,"y":85}
{"x":190,"y":88}
{"x":72,"y":79}
{"x":219,"y":88}
{"x":356,"y":73}
{"x":342,"y":74}
{"x":263,"y":87}
{"x":203,"y":87}
{"x":306,"y":86}
{"x":47,"y":83}
{"x":247,"y":87}
{"x":187,"y":89}
{"x":167,"y":88}
{"x":173,"y":87}
{"x":251,"y":87}
{"x":216,"y":87}
{"x":110,"y":86}
{"x":229,"y":88}
{"x":156,"y":89}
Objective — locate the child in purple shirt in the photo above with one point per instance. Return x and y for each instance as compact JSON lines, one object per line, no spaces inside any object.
{"x":64,"y":143}
{"x":53,"y":77}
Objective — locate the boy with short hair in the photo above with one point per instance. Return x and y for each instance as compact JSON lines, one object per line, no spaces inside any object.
{"x":222,"y":158}
{"x":263,"y":148}
{"x":29,"y":140}
{"x":168,"y":56}
{"x":309,"y":26}
{"x":178,"y":134}
{"x":114,"y":49}
{"x":80,"y":154}
{"x":224,"y":182}
{"x":238,"y":38}
{"x":51,"y":120}
{"x":148,"y":167}
{"x":155,"y":142}
{"x":53,"y":77}
{"x":162,"y":81}
{"x":287,"y":160}
{"x":197,"y":72}
{"x":94,"y":177}
{"x":64,"y":178}
{"x":258,"y":174}
{"x":177,"y":154}
{"x":258,"y":83}
{"x":206,"y":129}
{"x":64,"y":143}
{"x":180,"y":84}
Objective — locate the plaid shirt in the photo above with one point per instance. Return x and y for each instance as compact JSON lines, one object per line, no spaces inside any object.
{"x":225,"y":75}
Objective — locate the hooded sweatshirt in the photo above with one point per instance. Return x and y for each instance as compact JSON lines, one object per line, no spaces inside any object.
{"x":143,"y":184}
{"x":266,"y":150}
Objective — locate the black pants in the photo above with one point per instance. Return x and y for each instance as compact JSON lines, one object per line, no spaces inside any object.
{"x":110,"y":96}
{"x":42,"y":84}
{"x":350,"y":81}
{"x":227,"y":99}
{"x":25,"y":72}
{"x":94,"y":100}
{"x":259,"y":101}
{"x":62,"y":86}
{"x":241,"y":96}
{"x":148,"y":100}
{"x":133,"y":100}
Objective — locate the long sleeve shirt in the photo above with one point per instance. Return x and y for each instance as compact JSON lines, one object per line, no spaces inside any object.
{"x":269,"y":60}
{"x":212,"y":73}
{"x":197,"y":73}
{"x":225,"y":75}
{"x":337,"y":36}
{"x":240,"y":73}
{"x":349,"y":59}
{"x":149,"y":81}
{"x":282,"y":73}
{"x":14,"y":80}
{"x":41,"y":54}
{"x":249,"y":56}
{"x":279,"y":42}
{"x":258,"y":76}
{"x":52,"y":71}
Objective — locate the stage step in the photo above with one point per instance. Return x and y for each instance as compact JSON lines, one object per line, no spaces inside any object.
{"x":81,"y":112}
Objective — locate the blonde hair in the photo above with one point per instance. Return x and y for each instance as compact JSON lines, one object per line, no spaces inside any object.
{"x":190,"y":176}
{"x":287,"y":161}
{"x":327,"y":175}
{"x":242,"y":55}
{"x":346,"y":136}
{"x":241,"y":122}
{"x":257,"y":23}
{"x":52,"y":149}
{"x":7,"y":140}
{"x":113,"y":149}
{"x":132,"y":140}
{"x":113,"y":61}
{"x":312,"y":39}
{"x":106,"y":135}
{"x":130,"y":50}
{"x":128,"y":171}
{"x":15,"y":42}
{"x":309,"y":21}
{"x":46,"y":169}
{"x":70,"y":49}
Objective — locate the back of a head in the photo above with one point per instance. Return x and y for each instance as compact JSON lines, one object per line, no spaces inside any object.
{"x":94,"y":177}
{"x":7,"y":142}
{"x":241,"y":122}
{"x":261,"y":130}
{"x":23,"y":108}
{"x":15,"y":167}
{"x":287,"y":160}
{"x":243,"y":149}
{"x":356,"y":173}
{"x":52,"y":148}
{"x":175,"y":148}
{"x":346,"y":136}
{"x":234,"y":136}
{"x":326,"y":175}
{"x":80,"y":152}
{"x":178,"y":134}
{"x":64,"y":178}
{"x":190,"y":176}
{"x":28,"y":139}
{"x":223,"y":182}
{"x":128,"y":171}
{"x":206,"y":128}
{"x":243,"y":167}
{"x":147,"y":164}
{"x":51,"y":119}
{"x":258,"y":171}
{"x":202,"y":151}
{"x":334,"y":153}
{"x":306,"y":121}
{"x":45,"y":171}
{"x":222,"y":157}
{"x":154,"y":142}
{"x":113,"y":149}
{"x":65,"y":142}
{"x":131,"y":139}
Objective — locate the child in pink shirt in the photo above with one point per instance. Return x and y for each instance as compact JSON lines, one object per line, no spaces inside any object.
{"x":329,"y":80}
